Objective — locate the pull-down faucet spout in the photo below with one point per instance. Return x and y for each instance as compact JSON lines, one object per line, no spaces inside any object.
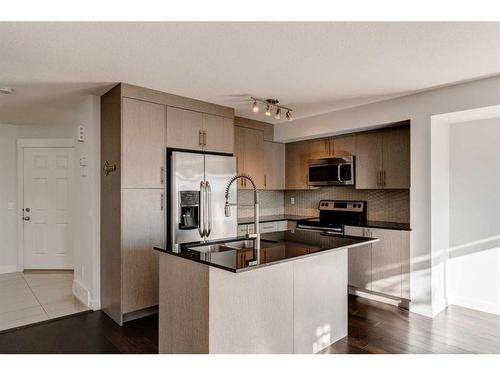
{"x":227,"y":211}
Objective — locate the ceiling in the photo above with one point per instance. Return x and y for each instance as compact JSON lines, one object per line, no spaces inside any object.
{"x":311,"y":67}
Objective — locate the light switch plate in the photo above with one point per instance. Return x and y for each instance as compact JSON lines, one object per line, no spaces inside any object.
{"x":292,"y":200}
{"x":81,"y":133}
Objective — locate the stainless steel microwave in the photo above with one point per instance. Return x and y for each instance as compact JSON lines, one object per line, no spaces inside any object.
{"x":331,"y":171}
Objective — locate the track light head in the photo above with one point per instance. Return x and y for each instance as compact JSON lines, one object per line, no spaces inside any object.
{"x":255,"y":107}
{"x":288,"y":115}
{"x":277,"y":116}
{"x":268,"y":110}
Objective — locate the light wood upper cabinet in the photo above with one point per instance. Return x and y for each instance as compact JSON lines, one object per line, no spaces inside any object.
{"x":368,"y":160}
{"x":296,"y":157}
{"x":343,"y":145}
{"x":319,"y":148}
{"x":143,"y":228}
{"x":143,"y":127}
{"x":219,"y":134}
{"x":199,"y":131}
{"x":396,"y":157}
{"x":274,"y":165}
{"x":184,"y":129}
{"x":249,"y":151}
{"x":383,"y":159}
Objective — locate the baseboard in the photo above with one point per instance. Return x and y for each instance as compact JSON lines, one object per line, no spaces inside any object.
{"x":8,"y":269}
{"x":81,"y":292}
{"x":379,"y":297}
{"x":140,"y":314}
{"x":474,"y":304}
{"x":95,"y":304}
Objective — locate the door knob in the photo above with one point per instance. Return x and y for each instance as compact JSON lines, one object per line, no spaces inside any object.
{"x":26,"y":218}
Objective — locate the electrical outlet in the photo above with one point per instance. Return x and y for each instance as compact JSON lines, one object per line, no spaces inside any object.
{"x":292,"y":200}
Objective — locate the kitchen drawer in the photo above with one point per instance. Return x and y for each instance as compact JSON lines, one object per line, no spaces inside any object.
{"x":268,"y":227}
{"x":282,"y":225}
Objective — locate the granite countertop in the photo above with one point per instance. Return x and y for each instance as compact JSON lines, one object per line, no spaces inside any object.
{"x":269,"y":218}
{"x":369,"y":223}
{"x":276,"y":247}
{"x":383,"y":225}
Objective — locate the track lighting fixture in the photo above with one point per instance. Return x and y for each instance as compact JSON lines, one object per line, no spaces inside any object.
{"x":270,"y":105}
{"x":277,"y":116}
{"x":255,"y":107}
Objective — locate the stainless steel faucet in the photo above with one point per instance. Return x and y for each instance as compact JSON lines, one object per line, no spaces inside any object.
{"x":227,"y":211}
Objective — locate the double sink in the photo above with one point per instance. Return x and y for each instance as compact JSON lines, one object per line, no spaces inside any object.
{"x":230,"y":245}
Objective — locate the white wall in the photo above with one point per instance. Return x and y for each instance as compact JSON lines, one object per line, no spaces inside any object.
{"x":418,"y":108}
{"x":473,"y":269}
{"x":8,"y":184}
{"x":86,"y":206}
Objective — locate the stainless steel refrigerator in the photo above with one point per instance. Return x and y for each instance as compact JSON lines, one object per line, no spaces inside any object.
{"x":196,"y":187}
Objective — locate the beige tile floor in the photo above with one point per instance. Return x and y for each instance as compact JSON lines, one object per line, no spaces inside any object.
{"x":34,"y":296}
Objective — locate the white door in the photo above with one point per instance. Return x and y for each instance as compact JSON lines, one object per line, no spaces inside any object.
{"x":47,"y":188}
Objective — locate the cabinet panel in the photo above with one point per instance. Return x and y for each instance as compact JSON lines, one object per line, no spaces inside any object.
{"x":274,"y":165}
{"x":396,"y":157}
{"x":142,"y":229}
{"x":143,"y":144}
{"x":386,"y":262}
{"x":359,"y":261}
{"x":368,"y":160}
{"x":183,"y":128}
{"x":344,"y":145}
{"x":405,"y":265}
{"x":296,"y":155}
{"x":319,"y":148}
{"x":219,"y":134}
{"x":249,"y":150}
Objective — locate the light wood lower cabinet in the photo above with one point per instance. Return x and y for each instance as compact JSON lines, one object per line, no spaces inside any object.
{"x":265,"y":227}
{"x":382,"y":267}
{"x":359,"y":261}
{"x":143,"y":229}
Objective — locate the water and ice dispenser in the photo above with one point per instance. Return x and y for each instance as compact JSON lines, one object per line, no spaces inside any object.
{"x":189,"y":210}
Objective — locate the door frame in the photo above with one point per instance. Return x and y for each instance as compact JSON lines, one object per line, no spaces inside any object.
{"x":23,"y":143}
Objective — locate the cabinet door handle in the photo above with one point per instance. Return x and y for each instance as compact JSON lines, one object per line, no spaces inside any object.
{"x":265,"y":180}
{"x":162,"y":177}
{"x":161,"y":201}
{"x":383,"y":178}
{"x":200,"y":137}
{"x":204,"y":138}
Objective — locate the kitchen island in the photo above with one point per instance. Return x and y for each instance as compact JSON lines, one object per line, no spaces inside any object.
{"x":294,"y":301}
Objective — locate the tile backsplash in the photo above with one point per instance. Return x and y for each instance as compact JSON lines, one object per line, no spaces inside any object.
{"x":383,"y":205}
{"x":271,"y":202}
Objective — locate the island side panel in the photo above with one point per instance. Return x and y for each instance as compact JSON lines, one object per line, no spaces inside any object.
{"x":184,"y":304}
{"x":252,"y":312}
{"x":320,"y":301}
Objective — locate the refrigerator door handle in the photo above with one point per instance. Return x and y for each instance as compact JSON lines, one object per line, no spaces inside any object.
{"x":201,"y":223}
{"x":209,"y":208}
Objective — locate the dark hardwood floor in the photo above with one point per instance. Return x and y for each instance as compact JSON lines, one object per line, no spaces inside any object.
{"x":373,"y":328}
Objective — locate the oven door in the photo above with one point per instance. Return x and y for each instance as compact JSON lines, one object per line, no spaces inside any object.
{"x":331,"y":171}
